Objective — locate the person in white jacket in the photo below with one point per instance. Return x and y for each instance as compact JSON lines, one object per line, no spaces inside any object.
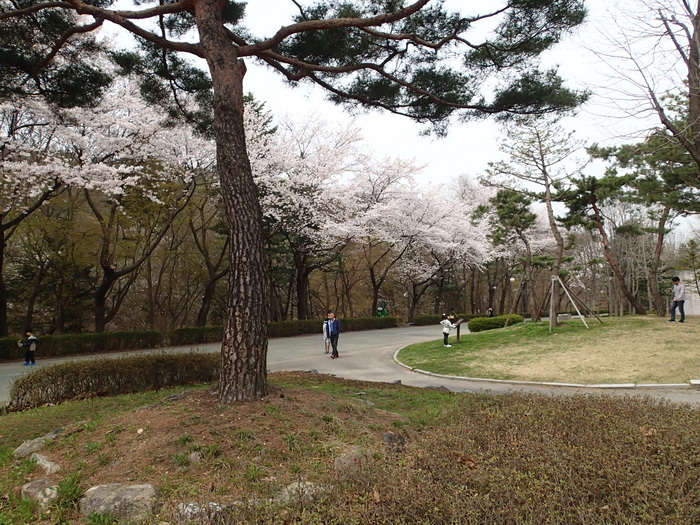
{"x":446,"y":327}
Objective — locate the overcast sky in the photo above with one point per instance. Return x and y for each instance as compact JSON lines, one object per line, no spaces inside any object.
{"x":469,"y":146}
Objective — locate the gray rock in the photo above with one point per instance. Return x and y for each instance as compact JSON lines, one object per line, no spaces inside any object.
{"x":127,"y":502}
{"x":210,"y":513}
{"x":300,"y":492}
{"x":42,"y":491}
{"x":43,"y":462}
{"x":394,"y":442}
{"x":36,"y":444}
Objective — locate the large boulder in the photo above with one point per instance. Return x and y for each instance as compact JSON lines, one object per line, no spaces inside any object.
{"x":127,"y":502}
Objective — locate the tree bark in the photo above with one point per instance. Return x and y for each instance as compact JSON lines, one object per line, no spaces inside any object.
{"x":559,"y":253}
{"x":657,"y":299}
{"x":243,"y":375}
{"x":3,"y":292}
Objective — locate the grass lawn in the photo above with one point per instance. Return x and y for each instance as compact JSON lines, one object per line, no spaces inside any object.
{"x":621,"y":350}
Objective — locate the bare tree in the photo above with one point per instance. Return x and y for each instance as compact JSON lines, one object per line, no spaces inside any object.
{"x":539,"y":165}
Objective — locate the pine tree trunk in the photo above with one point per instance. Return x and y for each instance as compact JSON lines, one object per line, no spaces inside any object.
{"x":243,"y":375}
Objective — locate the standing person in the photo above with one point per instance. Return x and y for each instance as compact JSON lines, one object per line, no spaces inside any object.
{"x":326,"y":335}
{"x":333,"y":333}
{"x":489,"y":312}
{"x":678,"y":300}
{"x":29,"y":348}
{"x":446,"y":327}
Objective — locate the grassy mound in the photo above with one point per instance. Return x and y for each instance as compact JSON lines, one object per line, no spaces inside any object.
{"x":467,"y":458}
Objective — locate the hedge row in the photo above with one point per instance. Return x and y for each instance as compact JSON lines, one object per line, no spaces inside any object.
{"x":425,"y":320}
{"x":490,"y":323}
{"x":213,"y":334}
{"x":70,"y":344}
{"x":110,"y":377}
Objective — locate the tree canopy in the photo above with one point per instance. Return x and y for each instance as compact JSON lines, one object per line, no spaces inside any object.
{"x":414,"y":59}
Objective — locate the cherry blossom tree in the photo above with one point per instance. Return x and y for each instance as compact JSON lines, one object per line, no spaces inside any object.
{"x":304,"y":195}
{"x":447,"y":241}
{"x":398,"y":57}
{"x":30,"y":173}
{"x":121,"y":156}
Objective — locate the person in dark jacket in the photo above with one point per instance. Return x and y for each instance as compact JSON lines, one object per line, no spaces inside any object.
{"x":29,"y":348}
{"x":333,"y":333}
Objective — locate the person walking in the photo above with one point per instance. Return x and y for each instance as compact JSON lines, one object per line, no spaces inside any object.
{"x":678,"y":300}
{"x":333,"y":333}
{"x":326,"y":335}
{"x":446,"y":327}
{"x":29,"y":348}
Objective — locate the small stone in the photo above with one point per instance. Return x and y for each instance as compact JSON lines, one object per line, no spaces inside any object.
{"x":189,"y":512}
{"x":42,"y":491}
{"x":34,"y":445}
{"x":43,"y":462}
{"x":394,"y":442}
{"x":303,"y":491}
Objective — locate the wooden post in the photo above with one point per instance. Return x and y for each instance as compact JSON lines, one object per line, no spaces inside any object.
{"x":457,"y":323}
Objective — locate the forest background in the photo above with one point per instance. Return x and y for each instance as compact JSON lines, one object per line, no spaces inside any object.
{"x":113,"y":220}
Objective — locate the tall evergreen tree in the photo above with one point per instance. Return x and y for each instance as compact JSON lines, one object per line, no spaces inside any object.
{"x":378,"y":53}
{"x":585,"y":202}
{"x":665,"y":182}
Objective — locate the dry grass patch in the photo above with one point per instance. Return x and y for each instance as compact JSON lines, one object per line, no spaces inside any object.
{"x":622,"y":350}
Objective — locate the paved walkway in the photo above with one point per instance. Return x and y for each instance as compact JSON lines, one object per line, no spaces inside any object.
{"x":369,"y":356}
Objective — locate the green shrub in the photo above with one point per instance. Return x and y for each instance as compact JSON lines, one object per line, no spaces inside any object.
{"x":191,"y":335}
{"x":480,"y":324}
{"x":365,"y":323}
{"x":110,"y":377}
{"x":70,"y":344}
{"x":213,"y":334}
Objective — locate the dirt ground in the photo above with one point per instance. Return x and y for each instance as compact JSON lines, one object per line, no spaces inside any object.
{"x":192,"y":449}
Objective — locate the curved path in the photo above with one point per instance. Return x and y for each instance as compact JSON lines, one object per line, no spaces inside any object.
{"x":369,"y":356}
